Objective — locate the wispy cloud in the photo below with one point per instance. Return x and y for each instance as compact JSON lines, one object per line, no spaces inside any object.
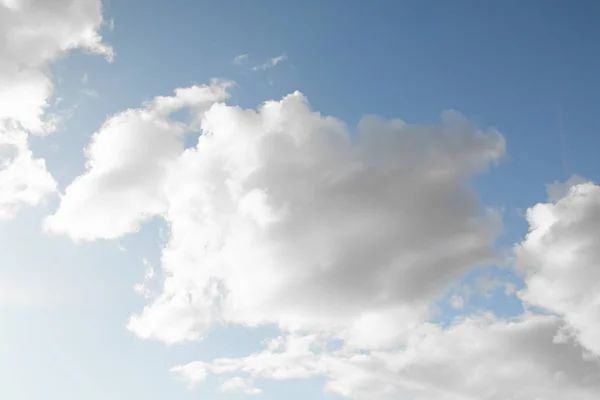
{"x":90,"y":92}
{"x":242,"y":58}
{"x":270,"y":63}
{"x":85,"y":78}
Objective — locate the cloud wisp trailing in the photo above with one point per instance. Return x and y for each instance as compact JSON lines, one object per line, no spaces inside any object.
{"x":240,"y":59}
{"x":270,"y":63}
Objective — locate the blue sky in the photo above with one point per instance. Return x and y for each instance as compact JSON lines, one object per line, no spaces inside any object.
{"x":529,"y":71}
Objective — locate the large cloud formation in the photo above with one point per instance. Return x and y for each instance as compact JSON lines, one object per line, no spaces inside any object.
{"x":283,"y":216}
{"x":343,"y":239}
{"x":33,"y":34}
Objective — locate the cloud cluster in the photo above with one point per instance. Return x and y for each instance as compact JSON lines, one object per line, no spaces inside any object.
{"x":270,"y":63}
{"x":285,"y":217}
{"x":476,"y":358}
{"x":33,"y":34}
{"x":342,"y":238}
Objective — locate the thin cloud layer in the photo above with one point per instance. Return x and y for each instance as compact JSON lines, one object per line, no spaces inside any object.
{"x":560,"y":258}
{"x":33,"y":34}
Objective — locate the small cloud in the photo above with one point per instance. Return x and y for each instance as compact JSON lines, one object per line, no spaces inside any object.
{"x":240,"y":385}
{"x":270,"y":63}
{"x":85,"y":78}
{"x":90,"y":92}
{"x":143,"y":288}
{"x":242,"y":58}
{"x":111,"y":24}
{"x":457,"y":302}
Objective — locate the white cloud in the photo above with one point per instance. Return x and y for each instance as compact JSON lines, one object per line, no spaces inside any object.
{"x":560,"y":258}
{"x":270,"y":63}
{"x":38,"y":32}
{"x":283,"y":216}
{"x":476,"y":358}
{"x":90,"y":92}
{"x":127,"y":164}
{"x":34,"y":34}
{"x":302,"y":227}
{"x":458,"y":301}
{"x":240,"y":59}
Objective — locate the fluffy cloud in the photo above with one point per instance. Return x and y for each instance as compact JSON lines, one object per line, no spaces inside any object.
{"x":475,"y":358}
{"x":283,"y":216}
{"x":561,"y":259}
{"x":33,"y":34}
{"x":127,"y":163}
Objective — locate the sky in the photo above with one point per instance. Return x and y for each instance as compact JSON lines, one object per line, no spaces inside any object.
{"x":302,"y":200}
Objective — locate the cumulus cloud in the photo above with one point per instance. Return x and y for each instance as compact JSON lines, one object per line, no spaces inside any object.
{"x":270,"y":63}
{"x":127,"y":163}
{"x":33,"y":34}
{"x":560,"y":258}
{"x":282,"y":216}
{"x":478,"y":357}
